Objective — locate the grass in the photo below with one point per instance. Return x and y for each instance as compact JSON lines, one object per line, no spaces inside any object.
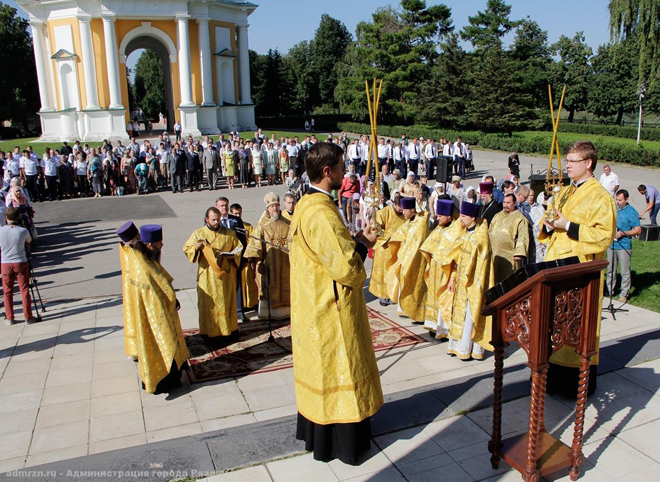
{"x":645,"y":291}
{"x":573,"y":136}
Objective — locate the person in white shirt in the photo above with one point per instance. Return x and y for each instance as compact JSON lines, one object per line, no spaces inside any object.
{"x":399,"y":155}
{"x":30,"y":172}
{"x":459,"y":157}
{"x":383,"y":154}
{"x":431,"y":154}
{"x":448,"y":149}
{"x":12,"y":167}
{"x":414,"y":153}
{"x":364,"y":150}
{"x":292,"y":150}
{"x":80,"y":166}
{"x":50,"y":164}
{"x":609,"y":180}
{"x":355,"y":155}
{"x":177,"y":130}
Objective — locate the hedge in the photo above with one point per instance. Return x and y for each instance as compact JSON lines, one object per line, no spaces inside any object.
{"x":607,"y":150}
{"x":322,"y":123}
{"x":648,"y":134}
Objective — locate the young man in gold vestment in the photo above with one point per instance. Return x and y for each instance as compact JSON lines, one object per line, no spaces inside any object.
{"x":584,"y":226}
{"x":129,"y":235}
{"x":271,"y":261}
{"x":160,"y":347}
{"x":509,"y":239}
{"x":337,"y":380}
{"x":390,"y":218}
{"x":248,"y":277}
{"x":469,"y":261}
{"x":435,"y":249}
{"x":405,"y":277}
{"x":217,"y":251}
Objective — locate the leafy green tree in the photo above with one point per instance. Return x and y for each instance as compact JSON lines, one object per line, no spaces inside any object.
{"x":442,"y":99}
{"x":486,"y":29}
{"x":257,"y":80}
{"x":613,"y":88}
{"x":398,"y":47}
{"x":328,"y":48}
{"x":150,"y":84}
{"x":304,"y":78}
{"x":531,"y":58}
{"x":19,"y":84}
{"x":574,"y":70}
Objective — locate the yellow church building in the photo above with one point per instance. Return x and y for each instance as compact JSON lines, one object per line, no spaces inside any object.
{"x":80,"y":48}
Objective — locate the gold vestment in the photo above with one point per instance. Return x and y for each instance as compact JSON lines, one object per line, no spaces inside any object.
{"x":216,"y":279}
{"x":470,"y":257}
{"x":336,"y":375}
{"x":436,"y":249}
{"x":249,"y":286}
{"x":128,"y":302}
{"x":158,"y":336}
{"x":405,"y":277}
{"x":593,"y":208}
{"x":383,"y":257}
{"x":509,"y":237}
{"x":276,"y":288}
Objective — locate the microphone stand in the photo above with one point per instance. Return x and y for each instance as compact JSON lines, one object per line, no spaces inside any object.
{"x":271,"y":337}
{"x":612,"y":310}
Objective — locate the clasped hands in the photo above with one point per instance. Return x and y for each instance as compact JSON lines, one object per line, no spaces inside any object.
{"x":559,"y":222}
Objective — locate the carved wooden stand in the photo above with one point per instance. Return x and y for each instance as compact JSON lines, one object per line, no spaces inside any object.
{"x":555,"y":307}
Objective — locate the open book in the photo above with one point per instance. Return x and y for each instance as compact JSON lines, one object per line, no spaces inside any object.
{"x":234,"y":252}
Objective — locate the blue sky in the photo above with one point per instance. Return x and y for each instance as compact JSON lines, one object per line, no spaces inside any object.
{"x":283,"y":23}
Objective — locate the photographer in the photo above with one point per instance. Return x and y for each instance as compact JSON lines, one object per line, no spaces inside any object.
{"x":13,"y":241}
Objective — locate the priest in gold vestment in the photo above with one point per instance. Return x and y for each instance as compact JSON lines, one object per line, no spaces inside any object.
{"x":390,"y":218}
{"x":584,"y":226}
{"x":435,"y":249}
{"x":337,"y":381}
{"x":271,"y":261}
{"x":249,"y":288}
{"x":129,"y":235}
{"x":509,"y":239}
{"x":161,"y":349}
{"x":217,"y":251}
{"x":469,"y":259}
{"x":405,"y":277}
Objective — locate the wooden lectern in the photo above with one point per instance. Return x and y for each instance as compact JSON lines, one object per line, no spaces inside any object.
{"x":553,"y":308}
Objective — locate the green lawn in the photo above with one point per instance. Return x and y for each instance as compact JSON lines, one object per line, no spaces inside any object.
{"x":645,"y":270}
{"x":572,"y":136}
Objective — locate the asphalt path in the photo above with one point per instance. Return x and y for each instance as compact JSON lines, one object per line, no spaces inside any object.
{"x":77,"y":251}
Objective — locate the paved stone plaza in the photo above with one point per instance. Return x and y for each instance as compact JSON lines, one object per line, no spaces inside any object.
{"x":70,"y":399}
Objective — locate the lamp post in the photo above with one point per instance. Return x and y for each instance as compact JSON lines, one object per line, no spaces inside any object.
{"x":641,"y":92}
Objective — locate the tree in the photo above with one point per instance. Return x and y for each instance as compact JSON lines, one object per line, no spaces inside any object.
{"x":257,"y":80}
{"x":19,"y":85}
{"x":398,"y":47}
{"x":442,"y":99}
{"x":532,"y":61}
{"x":574,"y":70}
{"x":613,"y":88}
{"x":149,"y":86}
{"x":486,"y":29}
{"x":328,"y":48}
{"x":304,"y":79}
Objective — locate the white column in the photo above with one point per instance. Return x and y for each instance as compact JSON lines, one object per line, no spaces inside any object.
{"x":185,"y":70}
{"x":89,"y":67}
{"x":206,"y":63}
{"x":42,"y":60}
{"x":112,"y":61}
{"x":244,"y":60}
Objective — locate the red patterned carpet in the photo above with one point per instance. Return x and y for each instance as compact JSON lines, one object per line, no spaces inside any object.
{"x":252,"y":353}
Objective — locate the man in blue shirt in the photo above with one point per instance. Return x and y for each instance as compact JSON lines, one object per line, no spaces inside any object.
{"x":652,"y":197}
{"x":627,"y":226}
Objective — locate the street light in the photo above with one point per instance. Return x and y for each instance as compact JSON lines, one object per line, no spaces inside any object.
{"x":641,"y":92}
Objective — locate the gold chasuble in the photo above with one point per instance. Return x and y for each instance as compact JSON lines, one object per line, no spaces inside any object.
{"x":249,"y":286}
{"x":472,"y":277}
{"x":276,"y":288}
{"x":383,"y":257}
{"x":436,"y":249}
{"x":286,"y":215}
{"x":158,"y":336}
{"x":593,"y":208}
{"x":129,"y":302}
{"x":509,"y":237}
{"x":216,"y":279}
{"x":405,"y":277}
{"x":337,"y":379}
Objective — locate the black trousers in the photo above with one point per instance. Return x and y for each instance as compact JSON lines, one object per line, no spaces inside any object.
{"x":52,"y":187}
{"x":193,"y":183}
{"x":32,"y":188}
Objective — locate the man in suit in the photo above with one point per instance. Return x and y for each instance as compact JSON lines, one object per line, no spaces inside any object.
{"x":177,"y":167}
{"x":236,"y":224}
{"x":211,"y":161}
{"x":192,"y":165}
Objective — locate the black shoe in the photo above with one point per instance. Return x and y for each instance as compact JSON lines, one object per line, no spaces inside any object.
{"x":385,"y":302}
{"x":242,"y":318}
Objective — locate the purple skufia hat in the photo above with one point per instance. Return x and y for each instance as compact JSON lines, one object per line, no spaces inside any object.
{"x":470,"y":209}
{"x":408,"y":203}
{"x":127,"y":231}
{"x":444,"y":207}
{"x":151,"y":233}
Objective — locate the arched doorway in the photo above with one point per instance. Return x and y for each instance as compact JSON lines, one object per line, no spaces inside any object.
{"x":155,"y":45}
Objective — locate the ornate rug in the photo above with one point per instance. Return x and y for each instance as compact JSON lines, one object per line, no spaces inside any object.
{"x":252,"y":353}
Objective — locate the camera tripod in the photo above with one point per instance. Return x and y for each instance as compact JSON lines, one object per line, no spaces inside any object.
{"x":610,"y":307}
{"x":34,"y":288}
